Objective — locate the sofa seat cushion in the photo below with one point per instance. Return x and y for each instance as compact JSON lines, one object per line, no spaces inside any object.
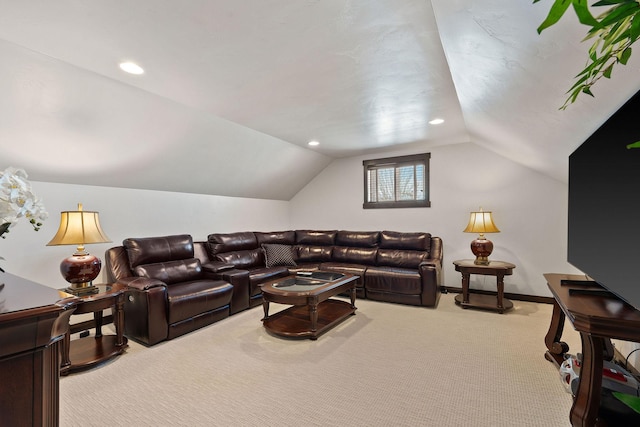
{"x":189,"y":299}
{"x":339,"y":267}
{"x":393,"y":280}
{"x":258,"y":276}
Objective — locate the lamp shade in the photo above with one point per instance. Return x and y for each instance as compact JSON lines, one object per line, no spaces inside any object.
{"x":481,"y":222}
{"x":79,"y":228}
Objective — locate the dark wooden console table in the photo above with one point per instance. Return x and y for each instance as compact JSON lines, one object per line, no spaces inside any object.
{"x":33,"y":321}
{"x":598,"y":317}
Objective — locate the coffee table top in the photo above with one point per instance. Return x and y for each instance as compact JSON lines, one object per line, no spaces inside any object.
{"x":307,"y":283}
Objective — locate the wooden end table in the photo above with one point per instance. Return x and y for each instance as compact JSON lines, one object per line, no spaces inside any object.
{"x":87,"y":352}
{"x":495,"y":268}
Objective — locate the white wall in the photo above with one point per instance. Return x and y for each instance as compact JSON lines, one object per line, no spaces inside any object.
{"x":530,"y":209}
{"x":129,"y":213}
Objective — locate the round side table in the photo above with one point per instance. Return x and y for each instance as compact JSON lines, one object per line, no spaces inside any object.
{"x":87,"y":352}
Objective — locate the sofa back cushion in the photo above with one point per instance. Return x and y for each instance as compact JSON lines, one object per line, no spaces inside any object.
{"x":400,"y":258}
{"x":304,"y":254}
{"x":316,"y":238}
{"x":244,"y":260}
{"x":358,"y":239}
{"x":276,"y":237}
{"x":172,"y":271}
{"x":408,"y":241}
{"x":151,"y":250}
{"x":219,"y":243}
{"x":366,"y":256}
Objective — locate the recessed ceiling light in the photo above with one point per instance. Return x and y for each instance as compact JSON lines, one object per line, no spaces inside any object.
{"x":131,"y":68}
{"x":436,"y":121}
{"x":314,"y":143}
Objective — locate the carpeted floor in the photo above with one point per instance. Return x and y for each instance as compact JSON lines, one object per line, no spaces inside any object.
{"x":389,"y":365}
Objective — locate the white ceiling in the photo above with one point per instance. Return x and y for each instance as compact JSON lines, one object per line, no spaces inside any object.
{"x":234,"y":90}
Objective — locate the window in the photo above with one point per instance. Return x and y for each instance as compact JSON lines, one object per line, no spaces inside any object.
{"x":397,"y":182}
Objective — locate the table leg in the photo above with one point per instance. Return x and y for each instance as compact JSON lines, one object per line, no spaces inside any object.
{"x":586,"y":404}
{"x":313,"y":314}
{"x":352,"y":294}
{"x":265,"y":308}
{"x":465,"y":287}
{"x":118,"y":320}
{"x":65,"y":361}
{"x":556,"y":348}
{"x":97,"y":316}
{"x":500,"y":284}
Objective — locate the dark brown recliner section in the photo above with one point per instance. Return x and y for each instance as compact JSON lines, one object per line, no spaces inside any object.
{"x":243,"y":253}
{"x":168,"y":293}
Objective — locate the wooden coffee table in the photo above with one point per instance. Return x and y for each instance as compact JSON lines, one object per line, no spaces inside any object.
{"x":312,"y":312}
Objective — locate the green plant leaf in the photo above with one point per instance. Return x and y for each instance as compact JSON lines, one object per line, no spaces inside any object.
{"x":617,"y":31}
{"x":610,"y":2}
{"x":580,"y":81}
{"x":626,"y":54}
{"x":634,"y":145}
{"x":607,"y":71}
{"x":585,"y":17}
{"x":587,"y":90}
{"x":555,"y":13}
{"x":618,"y":13}
{"x":634,"y":30}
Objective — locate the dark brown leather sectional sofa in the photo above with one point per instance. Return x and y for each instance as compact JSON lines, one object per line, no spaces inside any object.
{"x":176,"y":285}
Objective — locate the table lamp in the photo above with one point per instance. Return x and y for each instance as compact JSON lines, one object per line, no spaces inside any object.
{"x":79,"y":228}
{"x":481,"y":222}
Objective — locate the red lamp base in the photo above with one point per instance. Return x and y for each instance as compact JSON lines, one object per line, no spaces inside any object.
{"x":80,"y":270}
{"x":481,"y":248}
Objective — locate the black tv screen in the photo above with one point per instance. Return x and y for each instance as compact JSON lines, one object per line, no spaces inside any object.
{"x":604,"y":204}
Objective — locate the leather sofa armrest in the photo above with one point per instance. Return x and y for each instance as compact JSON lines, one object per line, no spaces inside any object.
{"x":430,"y":263}
{"x":432,"y":267}
{"x":239,"y":279}
{"x":141,"y":283}
{"x":145,"y":309}
{"x":217,"y":267}
{"x":431,"y":274}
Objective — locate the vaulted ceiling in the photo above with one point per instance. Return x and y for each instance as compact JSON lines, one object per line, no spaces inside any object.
{"x":234,"y":90}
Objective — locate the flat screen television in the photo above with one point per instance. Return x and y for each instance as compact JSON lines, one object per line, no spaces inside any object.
{"x":604,"y":205}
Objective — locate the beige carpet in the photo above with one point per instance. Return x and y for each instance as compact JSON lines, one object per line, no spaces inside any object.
{"x":389,"y":365}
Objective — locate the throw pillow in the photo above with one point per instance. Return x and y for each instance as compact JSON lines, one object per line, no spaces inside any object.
{"x":278,"y":255}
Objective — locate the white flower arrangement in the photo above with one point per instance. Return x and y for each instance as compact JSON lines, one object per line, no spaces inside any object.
{"x":17,"y":200}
